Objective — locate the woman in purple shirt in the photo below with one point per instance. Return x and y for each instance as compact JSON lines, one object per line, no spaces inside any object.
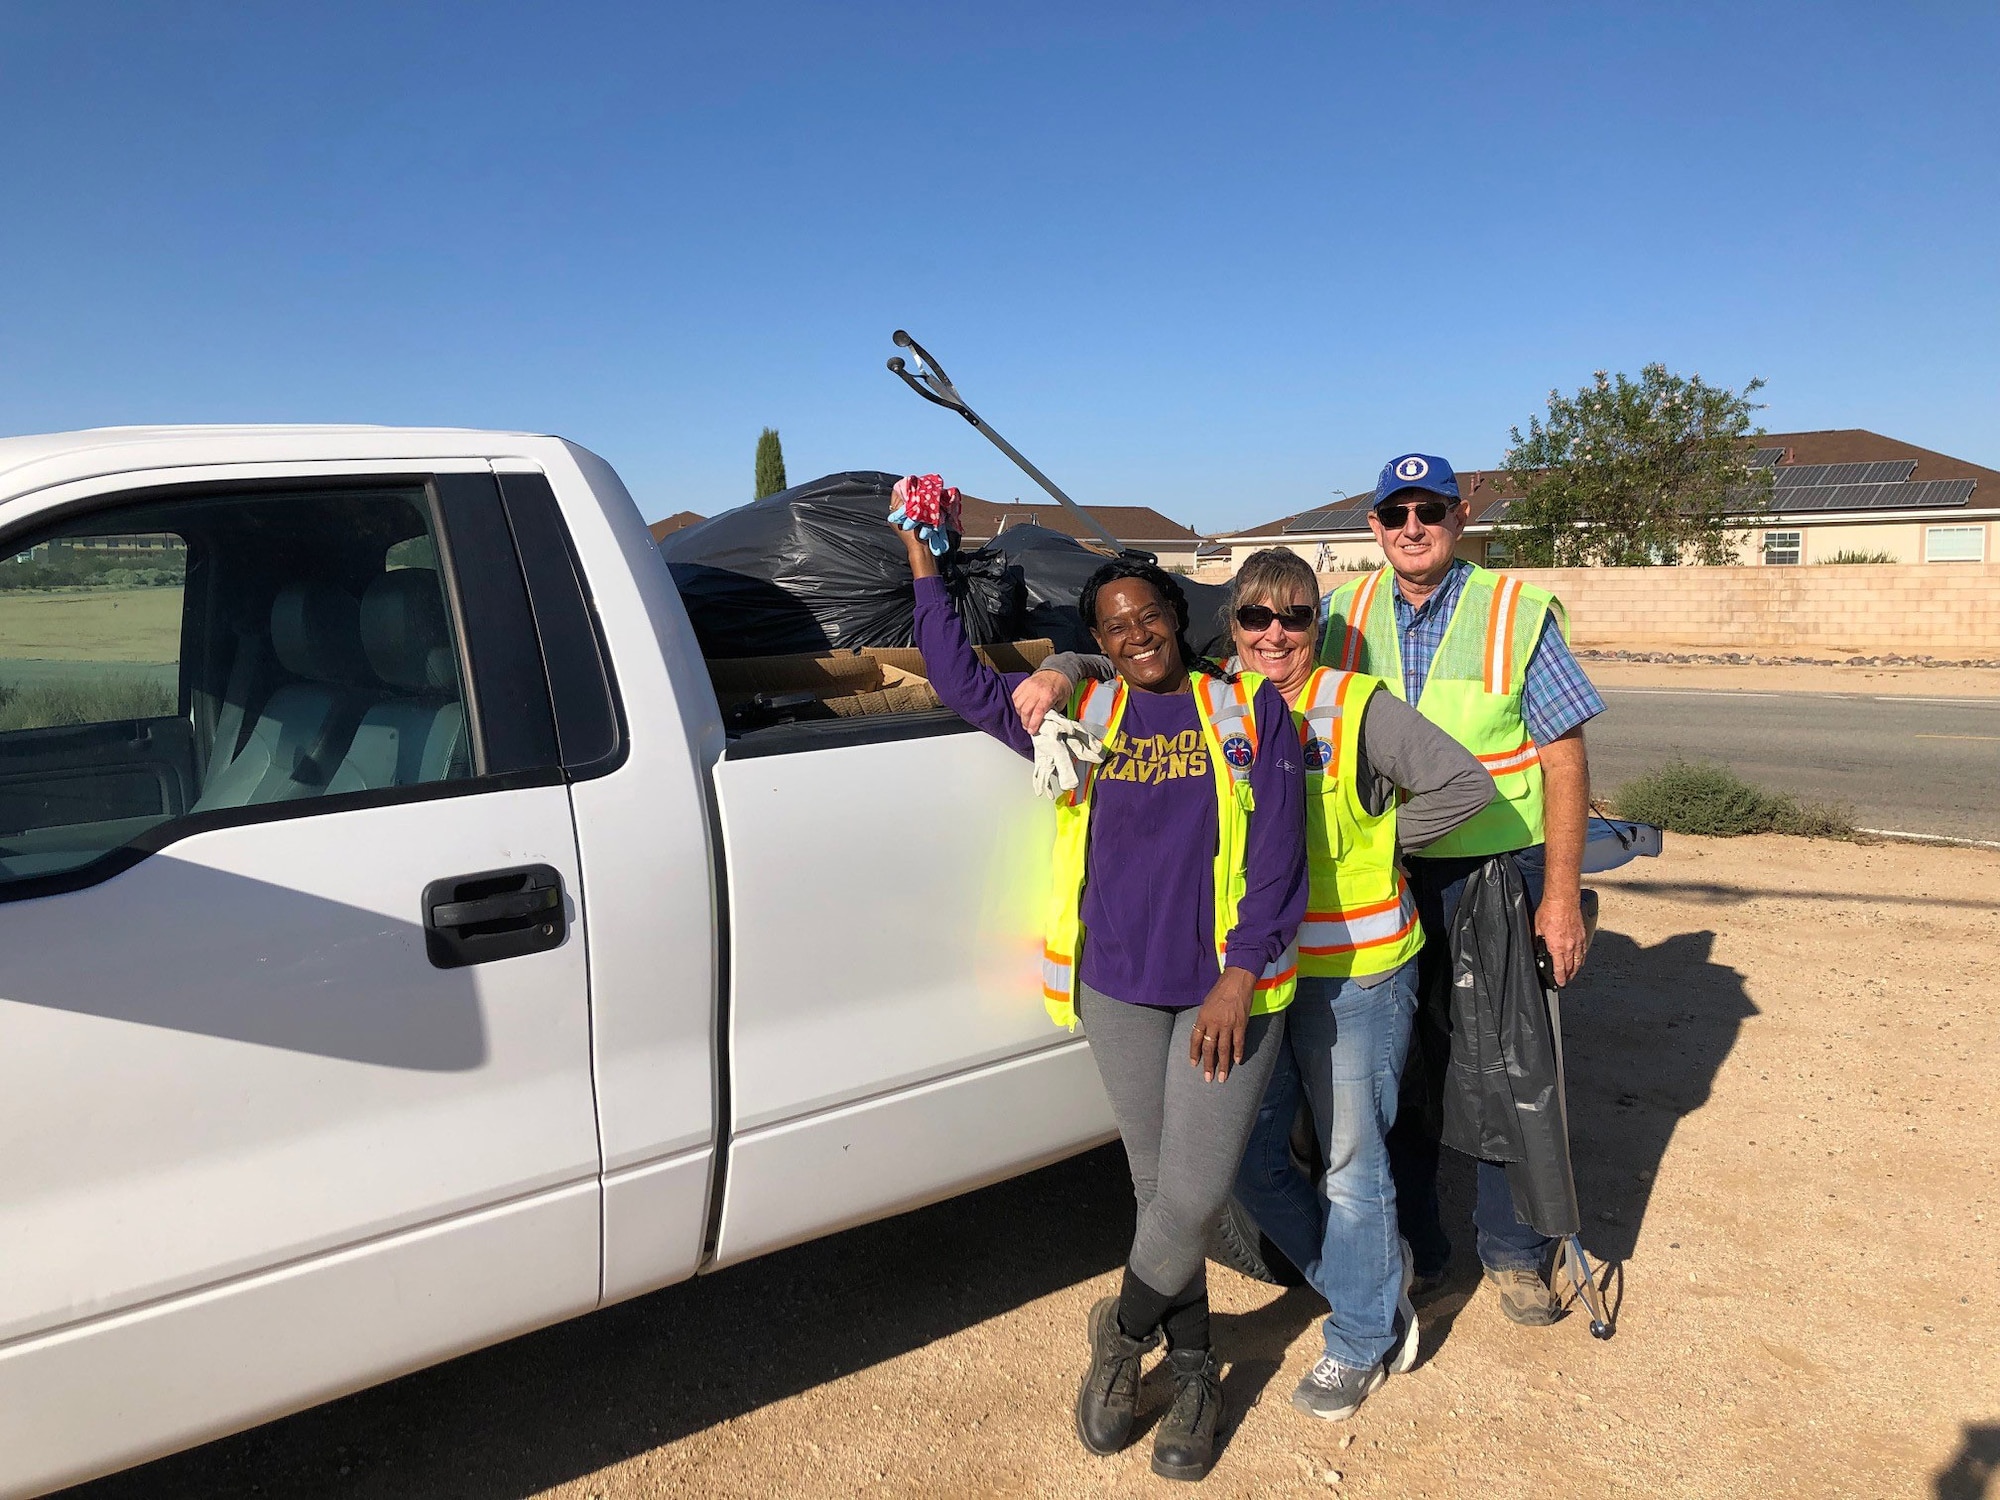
{"x":1184,"y":1061}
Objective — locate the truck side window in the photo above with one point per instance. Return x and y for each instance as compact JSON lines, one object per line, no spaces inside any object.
{"x":184,"y":662}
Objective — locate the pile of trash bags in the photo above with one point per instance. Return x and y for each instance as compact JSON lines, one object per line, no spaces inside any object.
{"x":817,"y":568}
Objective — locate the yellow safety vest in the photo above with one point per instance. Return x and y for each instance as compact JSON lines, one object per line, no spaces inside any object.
{"x":1229,"y":748}
{"x":1361,"y":918}
{"x":1473,"y":692}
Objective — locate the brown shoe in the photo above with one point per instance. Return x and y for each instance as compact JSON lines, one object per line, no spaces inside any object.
{"x":1524,"y":1297}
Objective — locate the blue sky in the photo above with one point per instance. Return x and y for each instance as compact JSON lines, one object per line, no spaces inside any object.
{"x":1216,"y":259}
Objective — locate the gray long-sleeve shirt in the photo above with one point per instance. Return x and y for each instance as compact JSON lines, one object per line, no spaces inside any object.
{"x":1400,"y":748}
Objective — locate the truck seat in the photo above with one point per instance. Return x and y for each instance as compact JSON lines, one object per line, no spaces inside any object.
{"x":417,"y":733}
{"x":303,"y":729}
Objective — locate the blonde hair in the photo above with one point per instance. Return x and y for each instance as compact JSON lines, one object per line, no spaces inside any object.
{"x":1266,"y":574}
{"x":1272,"y":574}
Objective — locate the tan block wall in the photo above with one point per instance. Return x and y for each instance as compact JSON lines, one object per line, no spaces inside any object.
{"x":1928,"y":609}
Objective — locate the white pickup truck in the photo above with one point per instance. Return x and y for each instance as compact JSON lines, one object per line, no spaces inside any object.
{"x":397,"y":953}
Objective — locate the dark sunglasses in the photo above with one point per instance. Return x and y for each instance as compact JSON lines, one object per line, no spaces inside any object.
{"x":1296,"y":618}
{"x":1430,"y":512}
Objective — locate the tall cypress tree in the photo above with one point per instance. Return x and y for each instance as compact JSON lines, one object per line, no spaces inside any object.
{"x":770,"y":464}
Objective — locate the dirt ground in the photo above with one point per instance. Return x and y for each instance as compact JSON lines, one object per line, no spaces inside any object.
{"x":1781,"y":1063}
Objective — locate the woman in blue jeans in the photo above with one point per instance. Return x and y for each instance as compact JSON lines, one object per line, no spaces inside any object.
{"x":1379,"y":777}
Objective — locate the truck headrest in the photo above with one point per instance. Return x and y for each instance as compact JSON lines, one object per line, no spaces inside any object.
{"x":404,"y":631}
{"x":316,"y":633}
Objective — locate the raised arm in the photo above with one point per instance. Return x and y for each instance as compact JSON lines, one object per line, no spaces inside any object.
{"x":964,"y":683}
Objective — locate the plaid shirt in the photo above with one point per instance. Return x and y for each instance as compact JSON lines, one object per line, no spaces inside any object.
{"x":1555,"y":695}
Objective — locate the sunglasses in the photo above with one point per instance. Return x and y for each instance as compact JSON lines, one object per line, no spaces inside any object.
{"x":1296,"y":618}
{"x":1430,"y":512}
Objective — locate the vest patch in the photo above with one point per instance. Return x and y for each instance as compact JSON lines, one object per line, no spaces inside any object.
{"x":1236,"y":750}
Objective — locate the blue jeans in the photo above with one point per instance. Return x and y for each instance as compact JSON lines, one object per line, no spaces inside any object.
{"x":1344,"y":1047}
{"x":1504,"y":1242}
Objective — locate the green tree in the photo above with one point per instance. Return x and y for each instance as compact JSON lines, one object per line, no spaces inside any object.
{"x":770,"y":464}
{"x":1631,"y":472}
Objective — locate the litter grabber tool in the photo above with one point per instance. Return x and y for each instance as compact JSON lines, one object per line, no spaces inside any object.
{"x":1572,"y":1263}
{"x":1059,"y":744}
{"x":930,"y":381}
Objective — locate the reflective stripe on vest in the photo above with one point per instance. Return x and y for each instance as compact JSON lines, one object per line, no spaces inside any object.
{"x":1056,"y":976}
{"x":1324,"y":934}
{"x":1500,"y":637}
{"x":1362,"y":918}
{"x":1096,"y":713}
{"x":1230,"y":711}
{"x":1354,"y":646}
{"x":1319,"y":710}
{"x":1504,"y":762}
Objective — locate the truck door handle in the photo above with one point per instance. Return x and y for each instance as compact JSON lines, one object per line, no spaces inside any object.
{"x":533,"y":902}
{"x":494,"y":914}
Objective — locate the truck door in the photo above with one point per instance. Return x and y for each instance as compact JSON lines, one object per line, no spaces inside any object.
{"x":888,"y":1046}
{"x":294,"y":1050}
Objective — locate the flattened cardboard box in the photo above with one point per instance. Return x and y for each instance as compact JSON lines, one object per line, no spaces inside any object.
{"x":854,"y":684}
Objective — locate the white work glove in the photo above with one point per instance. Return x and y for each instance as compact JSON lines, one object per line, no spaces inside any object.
{"x":1059,"y":745}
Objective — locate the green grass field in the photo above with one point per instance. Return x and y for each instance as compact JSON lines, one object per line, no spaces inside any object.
{"x":122,"y":625}
{"x":88,"y":655}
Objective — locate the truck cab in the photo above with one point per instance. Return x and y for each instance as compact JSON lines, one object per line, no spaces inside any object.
{"x":398,"y":953}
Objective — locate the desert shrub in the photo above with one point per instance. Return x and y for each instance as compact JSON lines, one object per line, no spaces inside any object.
{"x":64,"y":568}
{"x":1703,"y":797}
{"x":101,"y":700}
{"x":1848,"y":555}
{"x":1815,"y":820}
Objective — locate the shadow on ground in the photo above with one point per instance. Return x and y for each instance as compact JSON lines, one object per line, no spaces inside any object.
{"x":1970,"y":1474}
{"x":555,"y":1405}
{"x":1645,"y":1032}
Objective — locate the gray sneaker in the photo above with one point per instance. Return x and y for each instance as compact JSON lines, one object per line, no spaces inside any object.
{"x":1333,"y":1392}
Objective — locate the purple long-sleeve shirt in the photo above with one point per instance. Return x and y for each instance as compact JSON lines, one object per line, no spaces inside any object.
{"x":1149,"y":874}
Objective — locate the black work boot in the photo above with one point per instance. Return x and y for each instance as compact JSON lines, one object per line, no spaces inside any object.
{"x":1184,"y":1442}
{"x":1109,"y":1397}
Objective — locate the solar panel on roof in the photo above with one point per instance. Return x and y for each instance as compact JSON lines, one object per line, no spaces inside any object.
{"x":1890,"y":471}
{"x":1765,"y":458}
{"x":1942,"y":491}
{"x":1887,"y":471}
{"x":1922,"y":495}
{"x":1332,"y":518}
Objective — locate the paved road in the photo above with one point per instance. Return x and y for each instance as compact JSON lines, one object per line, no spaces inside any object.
{"x":1919,"y":765}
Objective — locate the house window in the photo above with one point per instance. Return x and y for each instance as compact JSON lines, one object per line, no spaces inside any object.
{"x":1954,"y":544}
{"x":1782,"y":548}
{"x":1498,"y":553}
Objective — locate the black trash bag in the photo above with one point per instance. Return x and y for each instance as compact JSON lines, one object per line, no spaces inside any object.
{"x":1055,"y":567}
{"x":1503,"y":1091}
{"x":818,"y":568}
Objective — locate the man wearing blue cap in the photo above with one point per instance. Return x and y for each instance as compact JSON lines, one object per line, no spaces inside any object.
{"x":1483,"y":657}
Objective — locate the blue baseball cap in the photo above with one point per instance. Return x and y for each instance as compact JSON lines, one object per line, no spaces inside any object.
{"x":1416,"y":471}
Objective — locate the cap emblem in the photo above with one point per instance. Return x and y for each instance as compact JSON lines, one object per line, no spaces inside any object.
{"x":1412,"y":467}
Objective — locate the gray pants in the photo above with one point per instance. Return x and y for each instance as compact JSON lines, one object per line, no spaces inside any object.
{"x":1184,"y":1136}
